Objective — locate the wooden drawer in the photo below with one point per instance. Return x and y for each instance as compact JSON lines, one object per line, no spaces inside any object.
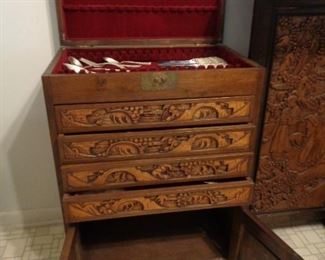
{"x":153,"y":114}
{"x":140,"y":86}
{"x":97,"y":176}
{"x":231,"y":233}
{"x":148,"y":144}
{"x":116,"y":204}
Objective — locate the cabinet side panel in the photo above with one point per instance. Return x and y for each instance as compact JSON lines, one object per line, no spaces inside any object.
{"x":291,"y":171}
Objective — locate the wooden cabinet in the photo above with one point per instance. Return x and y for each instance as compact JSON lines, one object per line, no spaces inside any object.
{"x":148,"y":160}
{"x":189,"y":235}
{"x":288,"y":38}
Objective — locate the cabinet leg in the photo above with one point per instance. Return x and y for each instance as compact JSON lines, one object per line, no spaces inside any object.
{"x":237,"y":233}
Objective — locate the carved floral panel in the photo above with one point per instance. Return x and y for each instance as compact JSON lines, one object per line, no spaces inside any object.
{"x":154,"y":173}
{"x":164,"y":144}
{"x":171,"y":201}
{"x":291,"y":172}
{"x":112,"y":116}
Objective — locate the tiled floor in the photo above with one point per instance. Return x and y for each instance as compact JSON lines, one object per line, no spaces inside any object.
{"x":45,"y":242}
{"x":308,"y":241}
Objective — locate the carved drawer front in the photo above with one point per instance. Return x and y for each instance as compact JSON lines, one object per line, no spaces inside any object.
{"x":112,"y":116}
{"x":141,"y":145}
{"x":148,"y":172}
{"x":116,"y":204}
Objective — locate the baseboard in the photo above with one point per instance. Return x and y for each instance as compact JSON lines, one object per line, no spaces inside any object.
{"x":31,"y":217}
{"x":293,"y":218}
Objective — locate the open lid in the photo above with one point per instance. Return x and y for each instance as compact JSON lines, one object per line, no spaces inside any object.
{"x":123,"y":22}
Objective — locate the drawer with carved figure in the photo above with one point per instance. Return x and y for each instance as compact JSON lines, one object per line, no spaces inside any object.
{"x":153,"y":114}
{"x":112,"y":175}
{"x":125,"y":203}
{"x":160,"y":143}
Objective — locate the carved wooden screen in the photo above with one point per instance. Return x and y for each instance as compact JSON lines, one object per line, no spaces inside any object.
{"x":291,"y":171}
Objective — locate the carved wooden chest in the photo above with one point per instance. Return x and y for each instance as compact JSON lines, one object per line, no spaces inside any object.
{"x":288,"y":38}
{"x":154,"y":140}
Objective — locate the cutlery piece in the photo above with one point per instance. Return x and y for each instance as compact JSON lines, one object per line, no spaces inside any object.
{"x":74,"y":61}
{"x":136,"y":62}
{"x":197,"y":62}
{"x":99,"y":65}
{"x":131,"y":64}
{"x":75,"y":68}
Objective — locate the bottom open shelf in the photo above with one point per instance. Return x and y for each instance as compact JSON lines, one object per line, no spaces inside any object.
{"x":233,"y":233}
{"x":192,"y":235}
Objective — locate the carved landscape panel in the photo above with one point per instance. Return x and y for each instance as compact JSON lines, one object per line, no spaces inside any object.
{"x":140,"y":173}
{"x":158,"y":202}
{"x":152,"y":114}
{"x":291,"y":173}
{"x":175,"y":143}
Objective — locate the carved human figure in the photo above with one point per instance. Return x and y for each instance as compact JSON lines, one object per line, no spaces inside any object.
{"x":281,"y":146}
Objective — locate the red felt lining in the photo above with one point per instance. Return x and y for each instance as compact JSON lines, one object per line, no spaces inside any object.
{"x":141,"y":19}
{"x":152,"y":55}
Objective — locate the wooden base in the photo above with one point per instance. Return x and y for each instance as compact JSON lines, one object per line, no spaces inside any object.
{"x":293,"y":218}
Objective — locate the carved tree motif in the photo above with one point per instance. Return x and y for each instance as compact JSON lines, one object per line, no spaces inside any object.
{"x":291,"y":172}
{"x":110,"y":116}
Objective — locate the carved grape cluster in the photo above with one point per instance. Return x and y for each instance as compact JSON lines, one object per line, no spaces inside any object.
{"x":135,"y":112}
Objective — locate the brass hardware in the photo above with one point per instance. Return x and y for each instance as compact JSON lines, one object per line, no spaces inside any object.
{"x":159,"y":81}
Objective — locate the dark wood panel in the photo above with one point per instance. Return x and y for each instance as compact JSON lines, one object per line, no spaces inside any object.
{"x":293,"y":218}
{"x":252,"y":239}
{"x":119,"y":87}
{"x":292,"y":159}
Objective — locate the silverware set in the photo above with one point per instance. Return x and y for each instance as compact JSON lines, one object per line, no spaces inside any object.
{"x":83,"y":65}
{"x":86,"y":66}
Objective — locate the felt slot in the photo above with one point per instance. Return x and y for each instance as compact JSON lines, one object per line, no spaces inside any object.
{"x":153,"y":55}
{"x":140,"y":8}
{"x":144,"y":2}
{"x":142,"y":19}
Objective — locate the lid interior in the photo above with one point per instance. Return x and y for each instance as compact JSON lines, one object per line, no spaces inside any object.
{"x":106,"y":20}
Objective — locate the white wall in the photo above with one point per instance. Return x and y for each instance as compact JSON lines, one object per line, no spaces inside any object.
{"x":29,"y":39}
{"x":27,"y":180}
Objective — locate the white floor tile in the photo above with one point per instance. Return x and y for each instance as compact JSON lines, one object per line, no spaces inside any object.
{"x":312,"y":236}
{"x":297,"y":241}
{"x":15,"y":248}
{"x":42,"y":240}
{"x":56,"y":229}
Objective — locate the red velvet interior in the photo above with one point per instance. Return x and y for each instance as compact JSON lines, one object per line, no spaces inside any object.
{"x":152,"y":55}
{"x":141,"y":19}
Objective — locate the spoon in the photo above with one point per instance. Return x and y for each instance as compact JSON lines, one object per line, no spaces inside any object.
{"x":111,"y":60}
{"x":75,"y":61}
{"x":78,"y":69}
{"x":75,"y":68}
{"x":98,"y":65}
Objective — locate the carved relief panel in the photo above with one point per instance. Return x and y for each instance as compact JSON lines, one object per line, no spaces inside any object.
{"x":110,"y":175}
{"x":152,"y":114}
{"x":291,"y":173}
{"x":146,"y":144}
{"x":151,"y":201}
